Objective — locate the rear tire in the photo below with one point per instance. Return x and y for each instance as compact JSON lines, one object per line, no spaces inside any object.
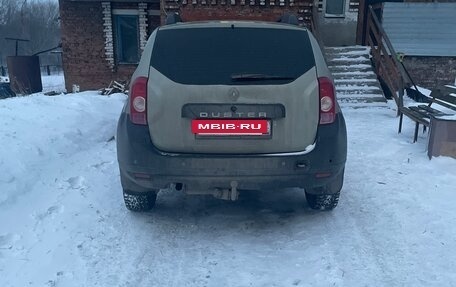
{"x":322,"y":201}
{"x":326,"y":197}
{"x":139,"y":202}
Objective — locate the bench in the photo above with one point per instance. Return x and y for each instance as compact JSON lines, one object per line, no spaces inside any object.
{"x":443,"y":97}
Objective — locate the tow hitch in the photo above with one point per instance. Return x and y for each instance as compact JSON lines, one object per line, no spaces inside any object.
{"x":231,"y":194}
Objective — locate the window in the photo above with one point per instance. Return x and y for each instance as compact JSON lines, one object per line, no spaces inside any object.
{"x":335,"y":8}
{"x":126,"y":39}
{"x":211,"y":56}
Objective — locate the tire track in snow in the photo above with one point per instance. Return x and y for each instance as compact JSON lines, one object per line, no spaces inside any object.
{"x":391,"y":206}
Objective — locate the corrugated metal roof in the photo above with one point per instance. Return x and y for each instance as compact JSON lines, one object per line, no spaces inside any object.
{"x":421,"y":29}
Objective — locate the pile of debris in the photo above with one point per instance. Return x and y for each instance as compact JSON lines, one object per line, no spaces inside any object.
{"x":5,"y":89}
{"x":116,"y":87}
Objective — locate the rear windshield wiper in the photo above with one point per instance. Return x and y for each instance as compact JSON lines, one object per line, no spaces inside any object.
{"x":255,"y":77}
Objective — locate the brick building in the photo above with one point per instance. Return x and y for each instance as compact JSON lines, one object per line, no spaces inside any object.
{"x":102,"y":41}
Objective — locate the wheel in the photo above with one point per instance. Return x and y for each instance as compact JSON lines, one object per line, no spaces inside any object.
{"x":326,"y":197}
{"x":139,"y":202}
{"x":322,"y":201}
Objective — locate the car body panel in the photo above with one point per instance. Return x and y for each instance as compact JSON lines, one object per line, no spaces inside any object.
{"x":137,"y":155}
{"x":172,"y":133}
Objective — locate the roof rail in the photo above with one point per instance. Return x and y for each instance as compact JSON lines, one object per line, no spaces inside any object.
{"x":289,"y":19}
{"x":173,"y":18}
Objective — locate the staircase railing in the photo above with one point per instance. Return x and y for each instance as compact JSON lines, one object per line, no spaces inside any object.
{"x":385,"y":59}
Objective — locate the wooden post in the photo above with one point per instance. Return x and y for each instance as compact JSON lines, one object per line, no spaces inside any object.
{"x":362,"y":22}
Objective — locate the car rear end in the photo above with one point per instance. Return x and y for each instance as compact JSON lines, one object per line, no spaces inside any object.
{"x":222,"y":106}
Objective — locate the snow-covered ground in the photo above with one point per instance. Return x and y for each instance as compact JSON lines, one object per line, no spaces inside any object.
{"x":63,"y":222}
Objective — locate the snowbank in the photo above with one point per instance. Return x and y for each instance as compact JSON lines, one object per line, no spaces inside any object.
{"x":64,"y":223}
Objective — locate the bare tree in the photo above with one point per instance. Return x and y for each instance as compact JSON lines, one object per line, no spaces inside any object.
{"x":34,"y":20}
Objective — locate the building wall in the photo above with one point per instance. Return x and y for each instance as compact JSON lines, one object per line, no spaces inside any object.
{"x":235,"y":13}
{"x":84,"y":40}
{"x":83,"y":44}
{"x":430,"y":72}
{"x":338,"y":31}
{"x":260,"y":10}
{"x":335,"y":32}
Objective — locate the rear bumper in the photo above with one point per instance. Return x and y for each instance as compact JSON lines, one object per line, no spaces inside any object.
{"x":143,"y":167}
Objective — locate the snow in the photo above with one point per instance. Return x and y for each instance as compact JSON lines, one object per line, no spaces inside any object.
{"x":354,"y":73}
{"x":357,"y":87}
{"x":343,"y":49}
{"x":64,"y":223}
{"x":359,"y":66}
{"x":54,"y":83}
{"x":356,"y":81}
{"x":422,"y":90}
{"x":349,"y":59}
{"x":409,"y":102}
{"x":50,"y":83}
{"x":356,"y":96}
{"x":360,"y":52}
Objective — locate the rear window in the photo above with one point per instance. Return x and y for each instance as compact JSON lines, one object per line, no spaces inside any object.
{"x":222,"y":56}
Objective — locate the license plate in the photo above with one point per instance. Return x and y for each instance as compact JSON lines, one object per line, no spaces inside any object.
{"x":231,"y":127}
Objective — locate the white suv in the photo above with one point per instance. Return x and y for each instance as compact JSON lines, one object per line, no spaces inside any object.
{"x":221,"y":107}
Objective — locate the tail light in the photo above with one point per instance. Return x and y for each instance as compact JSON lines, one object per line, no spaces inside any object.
{"x":327,"y":101}
{"x":138,"y":101}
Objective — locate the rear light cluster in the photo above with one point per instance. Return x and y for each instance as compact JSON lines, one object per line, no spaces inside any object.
{"x":327,"y":101}
{"x":138,"y":101}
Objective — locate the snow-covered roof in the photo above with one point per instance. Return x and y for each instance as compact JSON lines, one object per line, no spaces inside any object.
{"x":421,"y":29}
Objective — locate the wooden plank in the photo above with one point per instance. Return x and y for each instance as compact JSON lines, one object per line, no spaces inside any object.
{"x":443,"y":93}
{"x":418,"y":110}
{"x":387,"y":42}
{"x":387,"y":66}
{"x":392,"y":72}
{"x":391,"y":86}
{"x":362,"y":23}
{"x":417,"y":117}
{"x":390,"y":82}
{"x":441,"y":101}
{"x":432,"y":111}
